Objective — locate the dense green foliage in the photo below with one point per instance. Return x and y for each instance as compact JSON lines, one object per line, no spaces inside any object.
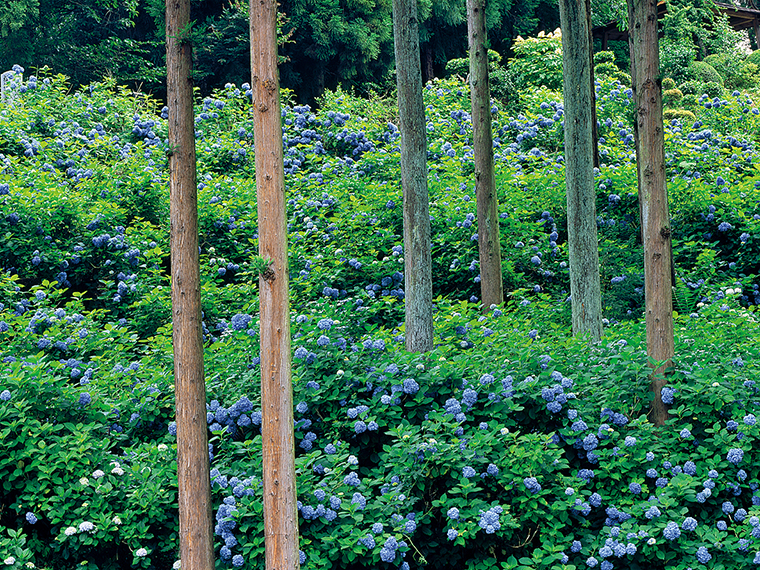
{"x":510,"y":445}
{"x":323,"y":44}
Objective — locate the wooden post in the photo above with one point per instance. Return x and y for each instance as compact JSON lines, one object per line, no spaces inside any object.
{"x":489,"y":247}
{"x":418,"y":278}
{"x":280,"y":510}
{"x":653,"y":194}
{"x":582,"y":240}
{"x":195,"y":517}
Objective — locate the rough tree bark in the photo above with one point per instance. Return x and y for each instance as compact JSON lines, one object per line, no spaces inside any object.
{"x":489,"y":248}
{"x":418,"y":280}
{"x":280,"y":511}
{"x":195,"y":517}
{"x":653,"y":195}
{"x":583,"y":245}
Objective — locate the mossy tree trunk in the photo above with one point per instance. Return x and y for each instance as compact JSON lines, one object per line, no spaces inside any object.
{"x":583,"y":244}
{"x":418,"y":279}
{"x":489,"y":247}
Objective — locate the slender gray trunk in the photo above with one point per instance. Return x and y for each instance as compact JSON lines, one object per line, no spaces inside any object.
{"x":418,"y":280}
{"x":579,"y":171}
{"x":489,"y":247}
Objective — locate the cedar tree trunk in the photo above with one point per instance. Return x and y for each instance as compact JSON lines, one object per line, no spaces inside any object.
{"x":491,"y":287}
{"x":653,"y":195}
{"x":195,"y":518}
{"x":280,"y":511}
{"x":418,"y":280}
{"x":582,"y":238}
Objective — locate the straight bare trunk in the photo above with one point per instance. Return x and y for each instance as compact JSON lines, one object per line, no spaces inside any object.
{"x":280,"y":511}
{"x":489,"y":247}
{"x":582,"y":239}
{"x":195,"y":517}
{"x":653,"y":195}
{"x":418,"y":279}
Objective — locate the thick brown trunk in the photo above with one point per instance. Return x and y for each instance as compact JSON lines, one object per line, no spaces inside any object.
{"x":418,"y":280}
{"x":489,"y":248}
{"x":280,"y":511}
{"x":653,"y":195}
{"x":582,"y":238}
{"x":195,"y":517}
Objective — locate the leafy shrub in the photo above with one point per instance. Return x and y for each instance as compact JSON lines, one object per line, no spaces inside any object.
{"x":703,"y":72}
{"x":675,"y":59}
{"x":730,"y":66}
{"x":691,"y":88}
{"x":683,"y":115}
{"x":672,"y":96}
{"x":499,"y":79}
{"x":605,"y":69}
{"x":668,"y":84}
{"x":537,"y":62}
{"x":754,"y":57}
{"x":713,"y":89}
{"x":604,"y":57}
{"x":689,"y":101}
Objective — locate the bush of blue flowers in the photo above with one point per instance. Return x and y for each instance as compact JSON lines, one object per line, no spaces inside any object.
{"x":509,"y":445}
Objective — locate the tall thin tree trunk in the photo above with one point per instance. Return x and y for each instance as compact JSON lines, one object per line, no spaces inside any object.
{"x":280,"y":511}
{"x":583,"y":245}
{"x":418,"y":279}
{"x":653,"y":195}
{"x":195,"y":517}
{"x":489,"y":248}
{"x":594,"y":130}
{"x":428,"y":72}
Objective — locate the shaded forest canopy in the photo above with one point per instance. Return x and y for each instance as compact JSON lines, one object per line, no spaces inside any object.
{"x":323,"y":44}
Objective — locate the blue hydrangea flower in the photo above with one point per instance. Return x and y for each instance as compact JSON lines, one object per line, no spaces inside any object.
{"x":532,"y":484}
{"x":452,"y":534}
{"x":468,"y":472}
{"x":702,"y":554}
{"x":735,"y":455}
{"x":689,"y":523}
{"x":671,"y":531}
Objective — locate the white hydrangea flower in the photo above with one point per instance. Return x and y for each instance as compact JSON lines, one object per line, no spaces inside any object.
{"x":84,"y":481}
{"x":177,"y":565}
{"x":141,"y":552}
{"x":117,"y":471}
{"x":116,"y":521}
{"x":10,"y":561}
{"x":70,"y":531}
{"x":97,"y":474}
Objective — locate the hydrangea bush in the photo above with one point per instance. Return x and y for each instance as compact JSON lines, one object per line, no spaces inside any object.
{"x":509,"y":445}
